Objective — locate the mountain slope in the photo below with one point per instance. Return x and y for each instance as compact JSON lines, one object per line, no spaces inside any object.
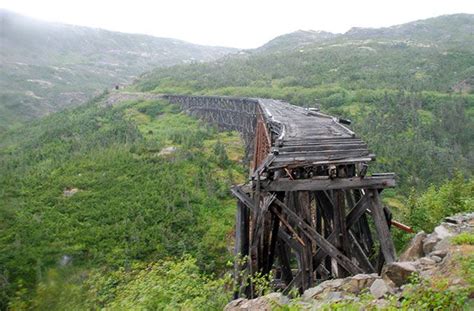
{"x":435,"y":54}
{"x":408,"y":88}
{"x":107,"y":186}
{"x":297,"y":39}
{"x":45,"y":67}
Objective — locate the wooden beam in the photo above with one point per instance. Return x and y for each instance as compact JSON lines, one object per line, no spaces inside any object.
{"x":342,"y":241}
{"x":359,"y":254}
{"x":243,"y":197}
{"x":381,"y":226}
{"x":293,"y":283}
{"x":284,"y":259}
{"x":288,"y":226}
{"x":352,"y":217}
{"x":320,"y":240}
{"x":275,"y":223}
{"x":315,"y":183}
{"x":285,"y":237}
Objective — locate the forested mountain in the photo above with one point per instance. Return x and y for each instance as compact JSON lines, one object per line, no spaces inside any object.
{"x":45,"y":67}
{"x":408,"y":88}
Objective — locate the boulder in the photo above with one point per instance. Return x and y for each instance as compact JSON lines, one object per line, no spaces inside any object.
{"x":430,"y":242}
{"x":427,"y":261}
{"x":442,"y":245}
{"x":436,"y":259}
{"x":334,"y":296}
{"x":398,"y":272}
{"x":265,"y":303}
{"x":442,"y":232}
{"x":440,"y":253}
{"x":379,"y":288}
{"x":235,"y":304}
{"x":312,"y":292}
{"x":358,"y":282}
{"x":324,"y":287}
{"x":415,"y":248}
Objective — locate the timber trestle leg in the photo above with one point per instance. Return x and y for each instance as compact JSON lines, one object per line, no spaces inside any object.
{"x":301,"y":238}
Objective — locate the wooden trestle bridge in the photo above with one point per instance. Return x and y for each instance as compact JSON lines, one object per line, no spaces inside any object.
{"x":309,"y":212}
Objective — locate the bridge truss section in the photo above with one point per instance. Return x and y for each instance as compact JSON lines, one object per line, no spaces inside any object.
{"x":310,"y":212}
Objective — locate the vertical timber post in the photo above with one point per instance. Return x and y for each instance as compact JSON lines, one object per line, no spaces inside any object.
{"x":241,"y":244}
{"x":381,"y":226}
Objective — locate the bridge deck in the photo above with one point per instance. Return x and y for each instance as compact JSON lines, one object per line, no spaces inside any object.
{"x":308,"y":137}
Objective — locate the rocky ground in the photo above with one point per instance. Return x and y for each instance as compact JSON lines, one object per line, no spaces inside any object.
{"x":436,"y":271}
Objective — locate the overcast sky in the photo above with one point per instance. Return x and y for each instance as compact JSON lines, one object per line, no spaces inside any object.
{"x":236,"y":23}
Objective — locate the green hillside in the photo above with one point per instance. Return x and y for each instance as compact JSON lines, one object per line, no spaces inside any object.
{"x":408,"y":88}
{"x":45,"y":67}
{"x":114,"y":188}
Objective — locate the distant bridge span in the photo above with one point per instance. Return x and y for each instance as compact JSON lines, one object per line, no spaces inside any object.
{"x":304,"y":216}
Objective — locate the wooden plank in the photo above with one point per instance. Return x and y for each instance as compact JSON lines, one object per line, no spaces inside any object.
{"x":320,"y":141}
{"x":322,"y":156}
{"x":299,"y":148}
{"x":325,"y":162}
{"x":314,"y":184}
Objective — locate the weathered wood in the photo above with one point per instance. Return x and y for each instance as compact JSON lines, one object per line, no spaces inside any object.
{"x":241,"y":243}
{"x":299,"y":148}
{"x":288,"y":226}
{"x":352,"y":217}
{"x":357,"y":211}
{"x":381,"y":226}
{"x":309,"y":155}
{"x":359,"y":254}
{"x":308,"y":158}
{"x":293,"y":284}
{"x":242,"y":230}
{"x":290,"y":242}
{"x":243,"y":197}
{"x":273,"y":243}
{"x":314,"y":184}
{"x":320,"y":240}
{"x":284,"y":258}
{"x":342,"y":241}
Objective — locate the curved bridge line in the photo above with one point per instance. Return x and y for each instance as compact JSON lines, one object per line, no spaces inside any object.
{"x":304,"y":215}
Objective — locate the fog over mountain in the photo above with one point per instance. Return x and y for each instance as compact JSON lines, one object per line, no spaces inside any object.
{"x":46,"y":66}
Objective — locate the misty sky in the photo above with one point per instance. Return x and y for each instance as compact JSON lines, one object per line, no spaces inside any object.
{"x":236,"y":23}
